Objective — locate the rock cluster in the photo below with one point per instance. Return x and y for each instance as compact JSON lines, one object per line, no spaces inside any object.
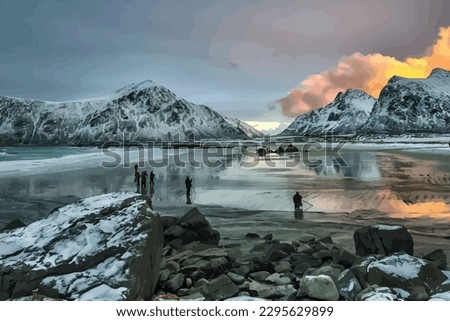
{"x":308,"y":268}
{"x":113,"y":247}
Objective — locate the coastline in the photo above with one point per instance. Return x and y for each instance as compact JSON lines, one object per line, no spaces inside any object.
{"x":32,"y":197}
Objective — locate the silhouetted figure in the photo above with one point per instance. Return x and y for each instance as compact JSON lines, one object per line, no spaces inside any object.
{"x":137,"y":177}
{"x":188,"y":183}
{"x":152,"y":180}
{"x":298,"y":202}
{"x":144,"y":177}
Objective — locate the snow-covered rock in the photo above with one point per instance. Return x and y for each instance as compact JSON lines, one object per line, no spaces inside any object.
{"x":414,"y":275}
{"x":412,"y":105}
{"x":348,"y":285}
{"x":105,"y":247}
{"x":383,"y":239}
{"x":376,"y":293}
{"x":441,"y":297}
{"x":345,"y":115}
{"x":136,"y":113}
{"x":319,"y":287}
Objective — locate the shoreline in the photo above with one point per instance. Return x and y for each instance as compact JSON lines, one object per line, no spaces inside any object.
{"x":31,"y":197}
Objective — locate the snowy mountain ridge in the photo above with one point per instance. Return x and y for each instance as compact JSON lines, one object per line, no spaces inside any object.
{"x":405,"y":106}
{"x":412,"y":106}
{"x":138,"y":112}
{"x":345,"y":115}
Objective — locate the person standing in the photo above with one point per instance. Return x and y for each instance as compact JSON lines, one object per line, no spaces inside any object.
{"x":144,"y":181}
{"x":137,"y":179}
{"x":152,"y":180}
{"x":188,"y":183}
{"x":298,"y":201}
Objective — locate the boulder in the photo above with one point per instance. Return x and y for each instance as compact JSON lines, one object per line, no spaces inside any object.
{"x":191,"y":227}
{"x":105,"y":247}
{"x":383,"y":239}
{"x":438,"y":258}
{"x":346,"y":259}
{"x":277,"y":291}
{"x":332,"y":271}
{"x":278,"y":279}
{"x":300,"y":268}
{"x":259,"y":276}
{"x":319,"y":287}
{"x":282,"y":266}
{"x":275,"y":249}
{"x":376,"y":293}
{"x":348,"y":285}
{"x":219,"y":288}
{"x":412,"y":274}
{"x":175,"y":282}
{"x":252,"y":236}
{"x":236,"y":278}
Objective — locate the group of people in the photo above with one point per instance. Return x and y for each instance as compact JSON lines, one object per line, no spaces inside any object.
{"x":141,"y":183}
{"x":141,"y":180}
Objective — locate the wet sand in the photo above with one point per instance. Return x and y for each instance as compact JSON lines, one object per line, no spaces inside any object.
{"x":389,"y":187}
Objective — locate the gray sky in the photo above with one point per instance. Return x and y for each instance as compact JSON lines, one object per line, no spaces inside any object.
{"x":236,"y":56}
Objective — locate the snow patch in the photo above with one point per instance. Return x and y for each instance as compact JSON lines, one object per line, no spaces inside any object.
{"x":387,"y":227}
{"x":401,"y":265}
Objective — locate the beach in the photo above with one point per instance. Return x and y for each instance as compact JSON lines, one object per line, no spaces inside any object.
{"x":242,"y":194}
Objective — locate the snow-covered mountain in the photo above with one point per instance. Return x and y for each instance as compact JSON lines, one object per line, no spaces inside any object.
{"x":345,"y":115}
{"x":139,"y":112}
{"x":412,"y":106}
{"x":246,"y":128}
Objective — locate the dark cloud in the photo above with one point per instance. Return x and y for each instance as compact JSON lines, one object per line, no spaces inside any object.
{"x":56,"y":49}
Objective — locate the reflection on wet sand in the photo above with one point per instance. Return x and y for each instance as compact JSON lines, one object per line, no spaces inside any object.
{"x":434,"y":209}
{"x":397,"y":185}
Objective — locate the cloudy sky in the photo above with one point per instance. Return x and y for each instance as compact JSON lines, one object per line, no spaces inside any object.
{"x":237,"y":56}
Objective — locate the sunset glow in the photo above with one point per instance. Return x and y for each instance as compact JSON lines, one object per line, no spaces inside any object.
{"x":365,"y":72}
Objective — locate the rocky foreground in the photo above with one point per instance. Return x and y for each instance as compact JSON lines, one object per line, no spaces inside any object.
{"x":196,"y":267}
{"x":114,"y":247}
{"x":105,"y":247}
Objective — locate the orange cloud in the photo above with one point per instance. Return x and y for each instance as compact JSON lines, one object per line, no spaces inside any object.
{"x":365,"y":72}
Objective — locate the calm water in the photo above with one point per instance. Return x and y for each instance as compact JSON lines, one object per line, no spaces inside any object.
{"x":394,"y":184}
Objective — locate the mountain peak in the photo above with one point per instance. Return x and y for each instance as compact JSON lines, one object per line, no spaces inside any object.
{"x":146,"y":84}
{"x":439,"y":73}
{"x":356,"y":92}
{"x":352,"y":93}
